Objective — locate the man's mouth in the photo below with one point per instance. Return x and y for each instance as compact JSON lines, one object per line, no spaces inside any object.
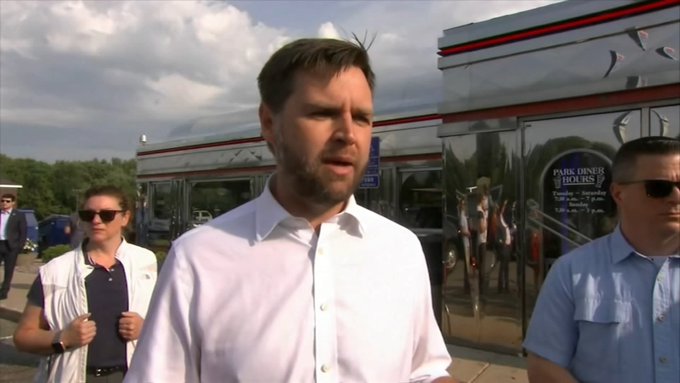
{"x":338,"y":161}
{"x":340,"y":165}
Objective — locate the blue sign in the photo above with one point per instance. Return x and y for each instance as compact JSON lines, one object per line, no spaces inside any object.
{"x":371,"y":178}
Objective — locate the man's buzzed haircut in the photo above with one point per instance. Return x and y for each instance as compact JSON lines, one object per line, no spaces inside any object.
{"x":623,"y":166}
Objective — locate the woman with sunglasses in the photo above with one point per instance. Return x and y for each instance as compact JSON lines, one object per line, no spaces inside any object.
{"x":85,"y":309}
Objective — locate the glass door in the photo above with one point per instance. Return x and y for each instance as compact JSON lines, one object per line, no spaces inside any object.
{"x":566,"y":202}
{"x":483,"y":280}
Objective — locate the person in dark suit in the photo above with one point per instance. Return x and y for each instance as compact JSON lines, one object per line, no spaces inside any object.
{"x":12,"y":238}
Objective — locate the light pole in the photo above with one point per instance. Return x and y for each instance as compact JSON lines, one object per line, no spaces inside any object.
{"x":77,"y":193}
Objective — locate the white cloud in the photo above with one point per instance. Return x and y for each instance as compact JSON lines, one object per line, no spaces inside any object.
{"x":327,"y":30}
{"x":172,"y":58}
{"x":177,"y":92}
{"x":45,"y":117}
{"x":95,"y":67}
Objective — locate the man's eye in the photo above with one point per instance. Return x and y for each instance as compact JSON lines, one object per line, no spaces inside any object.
{"x":320,"y":115}
{"x":362,"y":120}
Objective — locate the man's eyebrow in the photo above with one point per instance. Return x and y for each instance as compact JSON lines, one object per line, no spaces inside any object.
{"x":320,"y":105}
{"x":363,"y":112}
{"x":329,"y":108}
{"x":322,"y":108}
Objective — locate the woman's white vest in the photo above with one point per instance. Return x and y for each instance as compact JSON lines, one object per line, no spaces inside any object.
{"x":63,"y":280}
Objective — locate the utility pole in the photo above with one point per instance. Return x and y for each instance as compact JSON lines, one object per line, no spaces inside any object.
{"x":77,"y":192}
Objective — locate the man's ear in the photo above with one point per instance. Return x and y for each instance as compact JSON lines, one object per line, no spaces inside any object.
{"x":615,"y":190}
{"x":266,"y":122}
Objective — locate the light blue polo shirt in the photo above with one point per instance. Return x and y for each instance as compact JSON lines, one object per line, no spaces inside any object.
{"x":608,"y":314}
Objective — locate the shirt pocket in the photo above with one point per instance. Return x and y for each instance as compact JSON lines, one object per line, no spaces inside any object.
{"x":601,"y":324}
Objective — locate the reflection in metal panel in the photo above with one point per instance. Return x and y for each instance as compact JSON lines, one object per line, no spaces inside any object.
{"x":483,"y":279}
{"x":405,"y":137}
{"x":535,"y":106}
{"x":578,"y":68}
{"x":555,"y":174}
{"x":665,"y":121}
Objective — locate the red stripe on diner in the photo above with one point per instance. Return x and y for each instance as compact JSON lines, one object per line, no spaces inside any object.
{"x":201,"y":146}
{"x":623,"y":98}
{"x":407,"y":120}
{"x":269,"y":168}
{"x":555,"y":28}
{"x":413,"y":157}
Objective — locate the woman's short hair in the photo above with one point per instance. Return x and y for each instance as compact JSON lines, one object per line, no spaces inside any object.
{"x":109,"y":191}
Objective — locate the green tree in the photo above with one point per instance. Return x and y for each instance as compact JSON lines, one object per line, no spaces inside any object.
{"x":57,"y":188}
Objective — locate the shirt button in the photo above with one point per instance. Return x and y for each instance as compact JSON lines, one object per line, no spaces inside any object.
{"x":110,"y":279}
{"x":325,"y":368}
{"x":320,"y":251}
{"x":323,"y":307}
{"x":663,"y":360}
{"x":660,"y":318}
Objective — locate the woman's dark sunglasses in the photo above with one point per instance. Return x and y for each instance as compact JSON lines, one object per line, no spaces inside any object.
{"x":105,"y":215}
{"x":656,"y":188}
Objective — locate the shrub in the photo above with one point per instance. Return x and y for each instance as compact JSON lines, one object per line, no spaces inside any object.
{"x":160,"y":257}
{"x":54,"y":251}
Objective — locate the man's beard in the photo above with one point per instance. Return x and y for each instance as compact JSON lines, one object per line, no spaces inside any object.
{"x":308,"y":180}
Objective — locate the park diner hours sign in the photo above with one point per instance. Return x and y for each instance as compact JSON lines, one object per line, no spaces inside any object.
{"x":577,"y":182}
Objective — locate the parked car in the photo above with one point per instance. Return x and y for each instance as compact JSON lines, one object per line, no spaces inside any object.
{"x":31,"y":230}
{"x":199,"y":217}
{"x":52,"y":231}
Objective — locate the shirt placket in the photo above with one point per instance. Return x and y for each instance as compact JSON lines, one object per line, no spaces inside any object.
{"x":325,"y":337}
{"x":664,"y":367}
{"x":4,"y":217}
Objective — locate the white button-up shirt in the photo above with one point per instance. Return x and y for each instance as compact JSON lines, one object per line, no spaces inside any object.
{"x":4,"y":217}
{"x":256,"y":296}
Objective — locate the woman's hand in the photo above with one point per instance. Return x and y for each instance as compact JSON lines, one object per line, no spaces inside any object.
{"x":130,"y":325}
{"x":79,"y":332}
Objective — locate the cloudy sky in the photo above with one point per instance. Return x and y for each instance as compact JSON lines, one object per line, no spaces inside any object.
{"x":83,"y":80}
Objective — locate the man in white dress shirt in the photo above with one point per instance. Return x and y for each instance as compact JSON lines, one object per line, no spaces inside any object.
{"x":300,"y":284}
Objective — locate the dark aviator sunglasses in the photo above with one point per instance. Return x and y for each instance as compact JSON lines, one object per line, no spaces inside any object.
{"x":656,"y":188}
{"x":105,"y":215}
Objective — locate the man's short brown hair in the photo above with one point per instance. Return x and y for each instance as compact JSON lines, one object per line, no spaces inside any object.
{"x":319,"y":56}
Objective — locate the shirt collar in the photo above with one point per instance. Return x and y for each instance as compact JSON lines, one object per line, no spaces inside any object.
{"x":269,"y":213}
{"x":6,"y":211}
{"x":357,"y":214}
{"x":621,"y":249}
{"x":120,"y":252}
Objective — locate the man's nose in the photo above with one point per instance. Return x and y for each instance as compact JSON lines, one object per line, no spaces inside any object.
{"x":344,"y":128}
